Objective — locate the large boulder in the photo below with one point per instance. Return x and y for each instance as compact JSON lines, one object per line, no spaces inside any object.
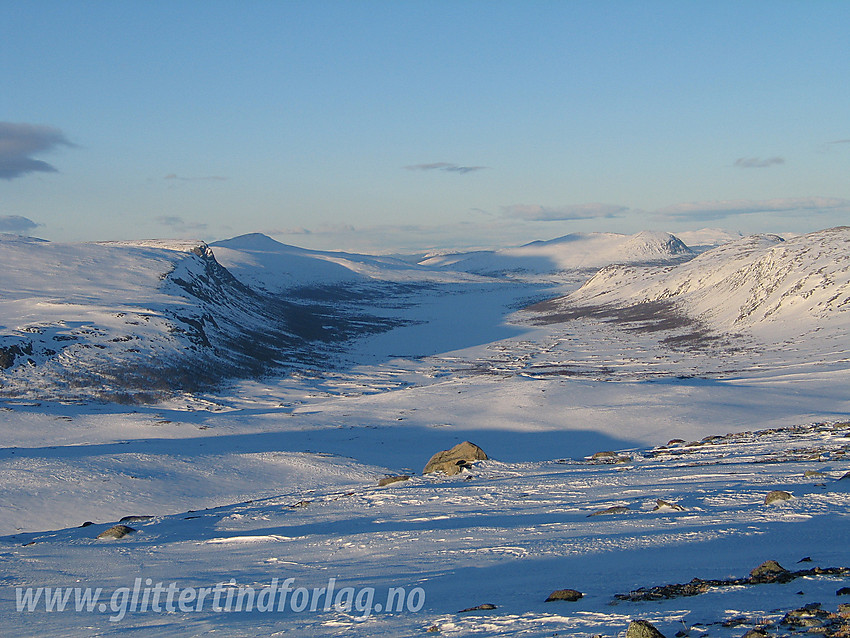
{"x":453,"y":461}
{"x":116,"y":531}
{"x":642,"y":629}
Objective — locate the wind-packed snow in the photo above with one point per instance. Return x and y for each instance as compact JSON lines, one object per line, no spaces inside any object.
{"x":276,"y":476}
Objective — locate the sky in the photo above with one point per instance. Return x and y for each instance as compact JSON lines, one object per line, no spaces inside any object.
{"x":414,"y":125}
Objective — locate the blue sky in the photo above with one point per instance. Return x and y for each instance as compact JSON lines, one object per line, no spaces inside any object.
{"x":412,"y":125}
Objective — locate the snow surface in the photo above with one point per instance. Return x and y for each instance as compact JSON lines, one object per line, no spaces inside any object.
{"x":276,"y":477}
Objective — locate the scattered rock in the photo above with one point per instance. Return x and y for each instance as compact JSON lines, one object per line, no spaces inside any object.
{"x":301,"y":504}
{"x":844,"y":609}
{"x":805,"y":559}
{"x":116,"y":531}
{"x":389,"y":480}
{"x":484,"y":607}
{"x":755,"y":633}
{"x":675,"y":441}
{"x":642,"y":629}
{"x":616,"y":509}
{"x":814,"y":474}
{"x":776,"y":496}
{"x":453,"y":461}
{"x":661,"y":504}
{"x":134,"y":519}
{"x":809,"y":616}
{"x":570,"y":595}
{"x":768,"y":571}
{"x":433,"y":629}
{"x":86,"y":524}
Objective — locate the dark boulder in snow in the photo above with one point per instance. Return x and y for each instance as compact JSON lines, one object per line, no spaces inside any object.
{"x":570,"y":595}
{"x":116,"y":531}
{"x":453,"y":461}
{"x":642,"y":629}
{"x":768,"y":571}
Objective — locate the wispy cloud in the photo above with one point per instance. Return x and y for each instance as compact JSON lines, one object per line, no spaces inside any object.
{"x":16,"y":224}
{"x":839,"y":142}
{"x":20,"y":141}
{"x":174,"y":177}
{"x":757,"y":162}
{"x":179,"y":225}
{"x":534,"y":212}
{"x":446,"y":167}
{"x":721,"y":209}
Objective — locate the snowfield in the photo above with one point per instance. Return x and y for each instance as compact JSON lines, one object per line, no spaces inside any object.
{"x":572,"y":382}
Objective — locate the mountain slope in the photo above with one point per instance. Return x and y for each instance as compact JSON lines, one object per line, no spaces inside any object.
{"x":134,"y":320}
{"x":761,"y":283}
{"x":268,"y":265}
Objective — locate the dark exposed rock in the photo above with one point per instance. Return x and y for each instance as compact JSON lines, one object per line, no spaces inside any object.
{"x":134,"y":519}
{"x":86,"y":524}
{"x":116,"y":531}
{"x":454,"y":460}
{"x":642,"y":629}
{"x":570,"y":595}
{"x":844,"y":591}
{"x":484,"y":607}
{"x":616,"y":509}
{"x":755,"y":633}
{"x":768,"y":570}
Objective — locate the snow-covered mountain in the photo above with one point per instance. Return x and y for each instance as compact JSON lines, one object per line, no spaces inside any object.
{"x":707,"y":238}
{"x":577,"y":251}
{"x":760,"y":282}
{"x":133,"y":320}
{"x":266,"y":264}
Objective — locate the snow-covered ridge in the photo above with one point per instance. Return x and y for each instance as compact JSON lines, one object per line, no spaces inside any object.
{"x":124,"y":320}
{"x":262,"y":262}
{"x":577,"y":251}
{"x":801,"y":283}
